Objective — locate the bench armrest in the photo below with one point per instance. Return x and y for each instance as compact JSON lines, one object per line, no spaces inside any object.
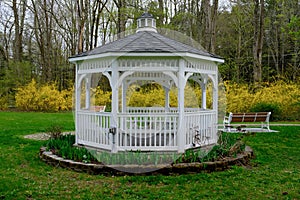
{"x":226,"y":118}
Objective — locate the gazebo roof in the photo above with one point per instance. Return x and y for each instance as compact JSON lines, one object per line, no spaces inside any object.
{"x":146,"y":42}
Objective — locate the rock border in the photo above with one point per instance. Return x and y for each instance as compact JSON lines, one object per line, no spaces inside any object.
{"x":241,"y":159}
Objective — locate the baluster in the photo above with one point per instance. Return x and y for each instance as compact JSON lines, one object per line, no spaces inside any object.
{"x":155,"y":128}
{"x":150,"y":134}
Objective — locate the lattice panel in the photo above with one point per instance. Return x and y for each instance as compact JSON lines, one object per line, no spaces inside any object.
{"x":130,"y":63}
{"x":95,"y":64}
{"x":201,"y":65}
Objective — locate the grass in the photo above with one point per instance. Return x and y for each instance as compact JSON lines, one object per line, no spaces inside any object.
{"x":275,"y":173}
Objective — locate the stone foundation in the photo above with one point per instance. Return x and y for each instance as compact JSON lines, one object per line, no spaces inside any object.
{"x":181,"y":168}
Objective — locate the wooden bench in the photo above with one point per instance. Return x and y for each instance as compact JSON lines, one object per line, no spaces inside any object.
{"x":262,"y":117}
{"x":97,"y":108}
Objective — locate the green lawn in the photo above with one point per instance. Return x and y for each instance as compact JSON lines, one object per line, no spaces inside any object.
{"x":275,"y":173}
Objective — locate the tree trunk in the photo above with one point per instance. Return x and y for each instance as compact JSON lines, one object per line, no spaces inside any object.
{"x":258,"y":40}
{"x":161,"y":12}
{"x":19,"y":26}
{"x":204,"y":17}
{"x":81,"y":23}
{"x":121,"y":20}
{"x":213,"y":26}
{"x":98,"y":8}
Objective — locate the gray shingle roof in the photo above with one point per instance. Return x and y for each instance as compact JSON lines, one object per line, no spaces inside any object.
{"x":145,"y":41}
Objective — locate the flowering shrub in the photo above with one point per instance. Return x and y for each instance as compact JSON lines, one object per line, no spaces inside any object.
{"x":156,"y":97}
{"x":239,"y":98}
{"x":285,"y":97}
{"x":281,"y":98}
{"x":101,"y":98}
{"x":141,"y":98}
{"x":45,"y":98}
{"x":3,"y":102}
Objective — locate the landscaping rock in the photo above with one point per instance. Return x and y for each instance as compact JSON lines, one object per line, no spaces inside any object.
{"x":180,"y":168}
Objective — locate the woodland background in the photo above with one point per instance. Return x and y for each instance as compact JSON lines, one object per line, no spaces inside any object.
{"x":259,"y":39}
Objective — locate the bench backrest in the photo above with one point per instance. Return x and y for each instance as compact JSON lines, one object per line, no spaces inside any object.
{"x":97,"y":108}
{"x":250,"y":117}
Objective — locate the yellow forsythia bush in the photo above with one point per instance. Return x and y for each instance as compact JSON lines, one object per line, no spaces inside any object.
{"x":285,"y":96}
{"x":238,"y":96}
{"x":43,"y":98}
{"x":100,"y":97}
{"x":139,"y":98}
{"x":156,"y":97}
{"x":3,"y":102}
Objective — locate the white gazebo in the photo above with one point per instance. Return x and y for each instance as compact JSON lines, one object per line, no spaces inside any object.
{"x":150,"y":56}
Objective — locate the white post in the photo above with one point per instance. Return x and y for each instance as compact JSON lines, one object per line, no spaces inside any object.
{"x":215,"y":93}
{"x":203,"y":87}
{"x":167,"y":99}
{"x":181,"y":122}
{"x":114,"y":104}
{"x":87,"y":91}
{"x":124,"y":100}
{"x":77,"y":101}
{"x":215,"y":106}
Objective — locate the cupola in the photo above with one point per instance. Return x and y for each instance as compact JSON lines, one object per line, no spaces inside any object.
{"x":146,"y":22}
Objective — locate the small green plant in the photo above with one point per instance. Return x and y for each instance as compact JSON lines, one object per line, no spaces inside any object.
{"x":63,"y":146}
{"x":54,"y":131}
{"x":229,"y":144}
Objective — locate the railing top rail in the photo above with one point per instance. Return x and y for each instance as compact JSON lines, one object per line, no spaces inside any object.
{"x":88,"y":112}
{"x":162,"y":114}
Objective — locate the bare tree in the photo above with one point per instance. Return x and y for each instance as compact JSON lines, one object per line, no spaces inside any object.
{"x":44,"y":34}
{"x":121,"y":17}
{"x":258,"y":23}
{"x":205,"y":15}
{"x":97,"y":11}
{"x":213,"y":20}
{"x":82,"y":17}
{"x":19,"y":10}
{"x":7,"y":33}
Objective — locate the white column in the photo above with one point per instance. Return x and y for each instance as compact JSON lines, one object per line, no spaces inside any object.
{"x":87,"y":91}
{"x":114,"y":104}
{"x":122,"y":124}
{"x":124,"y":100}
{"x":77,"y":102}
{"x":215,"y":93}
{"x":181,"y":132}
{"x":167,"y":99}
{"x":215,"y":106}
{"x":203,"y":87}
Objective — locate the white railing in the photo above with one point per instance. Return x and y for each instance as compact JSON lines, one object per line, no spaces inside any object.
{"x":145,"y":131}
{"x":201,"y":128}
{"x":150,"y":110}
{"x":160,"y":110}
{"x":93,"y":129}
